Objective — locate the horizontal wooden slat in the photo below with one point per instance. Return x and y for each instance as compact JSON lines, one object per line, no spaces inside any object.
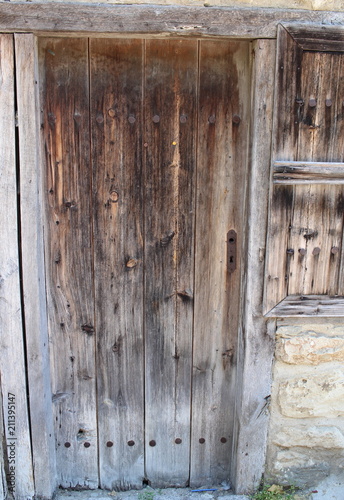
{"x":318,"y":38}
{"x":148,"y":19}
{"x":308,"y":306}
{"x":297,"y":172}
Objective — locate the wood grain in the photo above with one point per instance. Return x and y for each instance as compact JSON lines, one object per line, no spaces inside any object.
{"x":170,"y":161}
{"x":309,"y":306}
{"x":256,"y":335}
{"x":148,"y":19}
{"x":65,"y":128}
{"x":32,"y":247}
{"x":12,"y":366}
{"x":299,"y":172}
{"x":307,"y":161}
{"x":224,"y":79}
{"x":116,"y":122}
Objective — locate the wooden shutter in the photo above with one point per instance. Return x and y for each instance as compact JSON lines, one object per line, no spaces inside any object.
{"x":304,"y":247}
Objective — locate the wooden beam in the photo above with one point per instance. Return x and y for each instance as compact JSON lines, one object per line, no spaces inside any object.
{"x":298,"y":172}
{"x":317,"y":38}
{"x":151,"y":20}
{"x":12,"y":367}
{"x":43,"y":443}
{"x":309,"y":306}
{"x":256,"y":340}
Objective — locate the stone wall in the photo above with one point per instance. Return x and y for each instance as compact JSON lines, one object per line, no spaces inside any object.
{"x":306,"y":437}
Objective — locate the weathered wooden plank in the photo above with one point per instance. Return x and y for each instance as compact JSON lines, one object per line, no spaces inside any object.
{"x":43,"y":443}
{"x":116,"y":124}
{"x":317,"y":222}
{"x":170,"y":158}
{"x":12,"y":366}
{"x":148,"y":19}
{"x":317,"y":38}
{"x":256,"y":339}
{"x":309,"y":306}
{"x":65,"y":126}
{"x":224,"y":95}
{"x":294,"y":172}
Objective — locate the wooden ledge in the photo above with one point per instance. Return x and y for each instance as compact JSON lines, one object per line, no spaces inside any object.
{"x":297,"y":172}
{"x":42,"y":18}
{"x":308,"y":306}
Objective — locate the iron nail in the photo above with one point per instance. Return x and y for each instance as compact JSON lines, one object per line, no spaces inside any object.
{"x":334,"y":250}
{"x":131,"y":443}
{"x":223,"y":440}
{"x":183,"y":118}
{"x":152,"y":443}
{"x":156,"y":118}
{"x":131,"y":119}
{"x":236,"y":119}
{"x":109,"y":444}
{"x":290,"y":251}
{"x":178,"y":441}
{"x":100,"y":118}
{"x":316,"y":251}
{"x":67,"y":445}
{"x":87,"y":445}
{"x":312,"y":103}
{"x":328,"y":103}
{"x":212,"y":119}
{"x":302,"y":251}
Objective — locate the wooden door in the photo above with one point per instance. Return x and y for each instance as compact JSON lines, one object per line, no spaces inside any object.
{"x":146,"y":152}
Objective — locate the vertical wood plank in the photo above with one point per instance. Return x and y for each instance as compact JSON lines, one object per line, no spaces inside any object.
{"x":12,"y":366}
{"x":170,"y":124}
{"x":116,"y":122}
{"x":287,"y":109}
{"x":224,"y":114}
{"x":42,"y":434}
{"x":317,"y":222}
{"x":65,"y":122}
{"x":256,"y":341}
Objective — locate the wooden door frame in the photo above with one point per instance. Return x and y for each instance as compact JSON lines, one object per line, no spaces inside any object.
{"x":256,"y":333}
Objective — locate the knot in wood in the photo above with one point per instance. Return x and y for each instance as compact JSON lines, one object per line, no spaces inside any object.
{"x":131,"y":263}
{"x":87,"y":328}
{"x":114,"y":196}
{"x":165,"y":240}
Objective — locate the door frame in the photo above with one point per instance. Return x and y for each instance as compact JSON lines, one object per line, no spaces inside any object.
{"x":256,"y":333}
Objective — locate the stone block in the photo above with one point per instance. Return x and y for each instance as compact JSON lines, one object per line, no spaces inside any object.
{"x":320,"y":395}
{"x":327,"y":437}
{"x":310,"y":349}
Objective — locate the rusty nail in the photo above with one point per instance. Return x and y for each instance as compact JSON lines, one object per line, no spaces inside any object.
{"x":100,"y":118}
{"x":131,"y":263}
{"x":111,"y":112}
{"x":334,"y":250}
{"x":316,"y":251}
{"x":212,"y":119}
{"x":146,"y":144}
{"x":109,"y":444}
{"x":114,"y":196}
{"x":87,"y":445}
{"x":312,"y":103}
{"x":178,"y":441}
{"x":236,"y":119}
{"x":131,"y":119}
{"x":67,"y":445}
{"x":201,"y":440}
{"x":302,"y":251}
{"x":290,"y":251}
{"x":131,"y":443}
{"x":152,"y":443}
{"x":328,"y":103}
{"x":156,"y":118}
{"x":223,"y":440}
{"x":183,"y":118}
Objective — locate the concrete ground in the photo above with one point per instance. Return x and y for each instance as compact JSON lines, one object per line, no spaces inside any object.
{"x":330,"y":489}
